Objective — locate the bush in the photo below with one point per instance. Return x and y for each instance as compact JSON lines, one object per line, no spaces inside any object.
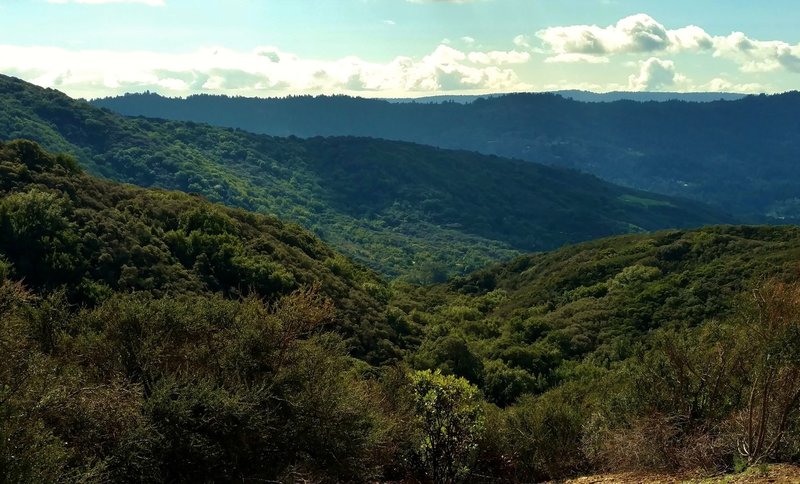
{"x":449,"y":419}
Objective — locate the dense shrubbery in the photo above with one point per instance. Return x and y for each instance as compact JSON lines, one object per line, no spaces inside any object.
{"x":62,"y":228}
{"x":157,"y":337}
{"x":200,"y":388}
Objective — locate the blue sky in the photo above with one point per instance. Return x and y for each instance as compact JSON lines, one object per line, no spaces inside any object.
{"x":408,"y":48}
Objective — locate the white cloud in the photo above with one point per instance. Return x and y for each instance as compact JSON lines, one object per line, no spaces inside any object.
{"x":522,"y":41}
{"x":723,"y":85}
{"x":151,"y":3}
{"x":637,"y":33}
{"x":497,"y":57}
{"x":262,"y":71}
{"x":655,"y":75}
{"x":758,"y":55}
{"x":641,"y":34}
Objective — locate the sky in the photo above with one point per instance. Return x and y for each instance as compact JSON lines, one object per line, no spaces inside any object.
{"x":400,"y":48}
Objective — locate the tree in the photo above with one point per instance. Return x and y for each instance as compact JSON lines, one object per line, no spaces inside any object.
{"x":450,"y":420}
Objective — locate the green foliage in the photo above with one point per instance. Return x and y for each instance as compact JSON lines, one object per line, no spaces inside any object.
{"x":412,"y":212}
{"x":62,"y":228}
{"x":164,"y":389}
{"x":162,"y":338}
{"x":546,"y":437}
{"x":516,"y":328}
{"x":708,"y":151}
{"x":193,"y":341}
{"x":450,"y":420}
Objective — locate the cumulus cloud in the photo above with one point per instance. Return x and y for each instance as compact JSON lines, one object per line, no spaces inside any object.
{"x":758,"y":55}
{"x":262,"y":71}
{"x":641,"y":34}
{"x":719,"y":84}
{"x":151,"y":3}
{"x":635,"y":34}
{"x":654,"y":75}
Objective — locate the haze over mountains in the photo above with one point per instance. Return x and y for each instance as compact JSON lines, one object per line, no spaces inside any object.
{"x":404,"y":209}
{"x":739,"y":155}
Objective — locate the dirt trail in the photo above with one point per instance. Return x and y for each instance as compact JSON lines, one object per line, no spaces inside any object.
{"x":779,"y":473}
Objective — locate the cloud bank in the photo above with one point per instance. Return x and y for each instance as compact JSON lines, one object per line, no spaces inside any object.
{"x":264,"y":71}
{"x":642,"y":34}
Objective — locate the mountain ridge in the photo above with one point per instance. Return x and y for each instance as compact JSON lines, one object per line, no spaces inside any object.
{"x":408,"y":210}
{"x":704,"y":151}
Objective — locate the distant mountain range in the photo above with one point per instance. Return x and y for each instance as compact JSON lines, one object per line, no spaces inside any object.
{"x":588,"y":96}
{"x":740,"y":155}
{"x":407,"y":210}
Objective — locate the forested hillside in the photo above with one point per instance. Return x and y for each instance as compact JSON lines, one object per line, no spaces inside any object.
{"x":669,"y":352}
{"x":514,"y":326}
{"x":63,"y":229}
{"x":406,"y":210}
{"x":738,"y":154}
{"x":150,"y":336}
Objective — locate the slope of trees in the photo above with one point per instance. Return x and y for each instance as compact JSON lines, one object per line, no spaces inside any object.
{"x":737,"y":154}
{"x":61,"y":228}
{"x":150,"y":336}
{"x":518,"y":327}
{"x":406,"y":210}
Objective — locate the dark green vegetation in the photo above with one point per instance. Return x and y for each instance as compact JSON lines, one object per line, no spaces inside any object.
{"x":61,"y":228}
{"x":519,"y":327}
{"x":406,"y":210}
{"x":151,"y":336}
{"x":741,"y":155}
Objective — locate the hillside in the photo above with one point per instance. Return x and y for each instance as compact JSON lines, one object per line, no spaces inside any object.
{"x":152,"y":336}
{"x":406,"y":210}
{"x":641,"y":354}
{"x":61,"y":228}
{"x":520,"y":326}
{"x":736,"y":154}
{"x":118,"y":103}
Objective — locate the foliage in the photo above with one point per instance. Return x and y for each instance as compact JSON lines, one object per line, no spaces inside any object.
{"x":157,"y":337}
{"x":164,"y":389}
{"x":62,"y":228}
{"x":517,"y":328}
{"x":737,"y":154}
{"x":450,"y":420}
{"x":409,"y":211}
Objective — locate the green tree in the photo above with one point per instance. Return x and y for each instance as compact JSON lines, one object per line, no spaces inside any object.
{"x":450,"y":421}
